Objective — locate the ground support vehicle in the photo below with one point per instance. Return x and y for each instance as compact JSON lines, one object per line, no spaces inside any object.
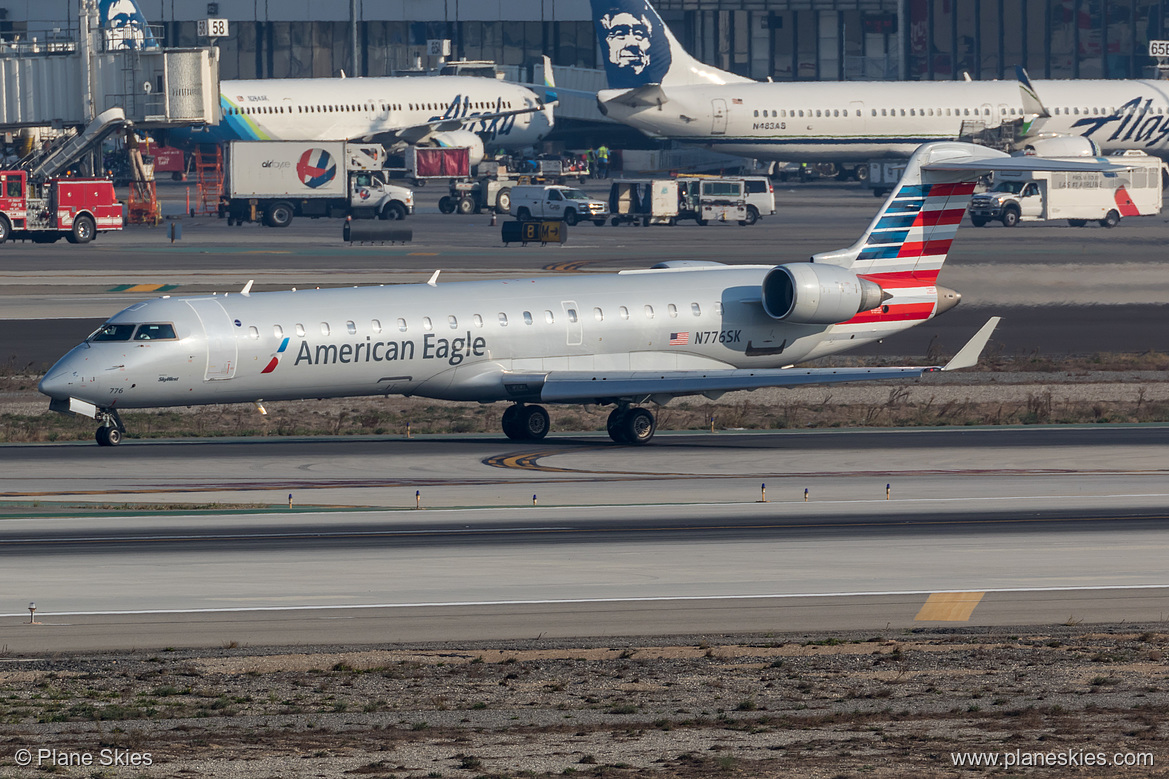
{"x":1079,"y":197}
{"x":701,"y":198}
{"x":491,"y":188}
{"x":567,"y":204}
{"x":72,"y":208}
{"x":275,"y":181}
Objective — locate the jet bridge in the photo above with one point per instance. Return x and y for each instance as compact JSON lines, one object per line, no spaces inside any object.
{"x":70,"y":82}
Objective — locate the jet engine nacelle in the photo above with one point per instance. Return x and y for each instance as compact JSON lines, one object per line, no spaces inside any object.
{"x":811,"y":294}
{"x":1062,"y":146}
{"x":461,"y":138}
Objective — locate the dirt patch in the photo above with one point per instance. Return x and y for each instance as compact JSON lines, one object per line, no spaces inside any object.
{"x":821,"y":706}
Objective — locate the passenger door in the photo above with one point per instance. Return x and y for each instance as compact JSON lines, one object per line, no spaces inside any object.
{"x":719,"y":116}
{"x":221,"y":346}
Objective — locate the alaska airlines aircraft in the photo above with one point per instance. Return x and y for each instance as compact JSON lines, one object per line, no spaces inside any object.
{"x":393,"y":111}
{"x":658,"y":88}
{"x":409,"y":110}
{"x":679,"y":328}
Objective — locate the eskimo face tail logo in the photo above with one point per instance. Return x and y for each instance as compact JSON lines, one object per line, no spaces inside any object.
{"x":316,"y":168}
{"x":276,"y":356}
{"x":633,"y":39}
{"x":124,"y":26}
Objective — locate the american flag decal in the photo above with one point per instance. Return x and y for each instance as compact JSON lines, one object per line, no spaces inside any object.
{"x":736,"y":101}
{"x":679,"y":339}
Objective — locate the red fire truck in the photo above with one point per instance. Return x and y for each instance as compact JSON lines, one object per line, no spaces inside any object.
{"x":77,"y":209}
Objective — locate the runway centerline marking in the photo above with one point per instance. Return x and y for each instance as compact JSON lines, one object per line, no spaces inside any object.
{"x":949,"y":607}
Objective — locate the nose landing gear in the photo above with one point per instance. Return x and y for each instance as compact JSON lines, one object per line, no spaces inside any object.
{"x":112,"y":429}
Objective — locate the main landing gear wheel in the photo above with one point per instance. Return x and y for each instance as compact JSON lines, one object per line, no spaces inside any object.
{"x":631,"y":426}
{"x":108,"y":436}
{"x":525,"y":423}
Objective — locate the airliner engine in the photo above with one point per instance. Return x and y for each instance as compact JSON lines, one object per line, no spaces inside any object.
{"x":1061,"y":146}
{"x":811,"y":294}
{"x":461,"y":138}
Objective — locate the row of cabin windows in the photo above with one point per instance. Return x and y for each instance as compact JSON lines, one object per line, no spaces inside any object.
{"x":985,"y":111}
{"x":322,"y":109}
{"x":571,"y":314}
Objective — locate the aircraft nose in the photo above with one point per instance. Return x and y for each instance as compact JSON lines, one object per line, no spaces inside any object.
{"x":56,"y":382}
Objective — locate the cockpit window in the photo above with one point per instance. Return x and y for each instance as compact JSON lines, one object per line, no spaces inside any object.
{"x":114,"y":333}
{"x":154,"y":332}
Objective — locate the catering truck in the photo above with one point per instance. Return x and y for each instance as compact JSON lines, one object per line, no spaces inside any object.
{"x":274,"y":181}
{"x":73,"y":208}
{"x":1078,"y":197}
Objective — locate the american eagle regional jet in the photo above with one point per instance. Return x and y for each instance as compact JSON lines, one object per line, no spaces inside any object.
{"x":657,"y":87}
{"x":679,"y":328}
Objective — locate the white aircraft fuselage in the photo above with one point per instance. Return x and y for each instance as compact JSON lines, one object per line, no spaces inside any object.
{"x":848,"y":121}
{"x":378,"y":108}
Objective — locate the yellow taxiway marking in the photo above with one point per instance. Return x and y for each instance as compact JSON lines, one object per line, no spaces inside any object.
{"x":144,"y":288}
{"x":949,"y":607}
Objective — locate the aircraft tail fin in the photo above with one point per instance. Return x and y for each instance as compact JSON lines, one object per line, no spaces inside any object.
{"x":639,"y":49}
{"x":123,"y":26}
{"x":908,"y":240}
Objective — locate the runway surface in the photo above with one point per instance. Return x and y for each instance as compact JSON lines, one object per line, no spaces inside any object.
{"x":978,"y":527}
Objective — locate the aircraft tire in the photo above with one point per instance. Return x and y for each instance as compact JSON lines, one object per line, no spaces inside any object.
{"x":511,"y":422}
{"x":503,"y":201}
{"x":638,"y":426}
{"x":5,"y":229}
{"x":615,"y":427}
{"x":1111,"y":219}
{"x":465,"y":206}
{"x":534,"y":422}
{"x":446,"y":204}
{"x":570,"y":217}
{"x":83,"y":230}
{"x":108,"y":436}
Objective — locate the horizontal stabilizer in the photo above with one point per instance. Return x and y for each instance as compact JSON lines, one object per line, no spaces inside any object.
{"x":1027,"y":162}
{"x":638,"y":97}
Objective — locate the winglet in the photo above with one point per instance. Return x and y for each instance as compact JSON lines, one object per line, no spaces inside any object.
{"x":434,"y":279}
{"x":1031,"y":102}
{"x":968,"y":355}
{"x":550,"y":97}
{"x":247,"y":290}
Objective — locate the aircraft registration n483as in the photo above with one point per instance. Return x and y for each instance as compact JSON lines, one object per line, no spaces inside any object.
{"x":625,"y":339}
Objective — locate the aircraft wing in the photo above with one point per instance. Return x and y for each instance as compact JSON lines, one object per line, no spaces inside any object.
{"x":587,"y":386}
{"x":644,"y":96}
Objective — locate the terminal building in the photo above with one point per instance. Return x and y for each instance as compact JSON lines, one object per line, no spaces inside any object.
{"x":779,"y":39}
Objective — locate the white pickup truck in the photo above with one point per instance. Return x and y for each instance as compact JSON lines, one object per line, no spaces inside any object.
{"x":567,"y":204}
